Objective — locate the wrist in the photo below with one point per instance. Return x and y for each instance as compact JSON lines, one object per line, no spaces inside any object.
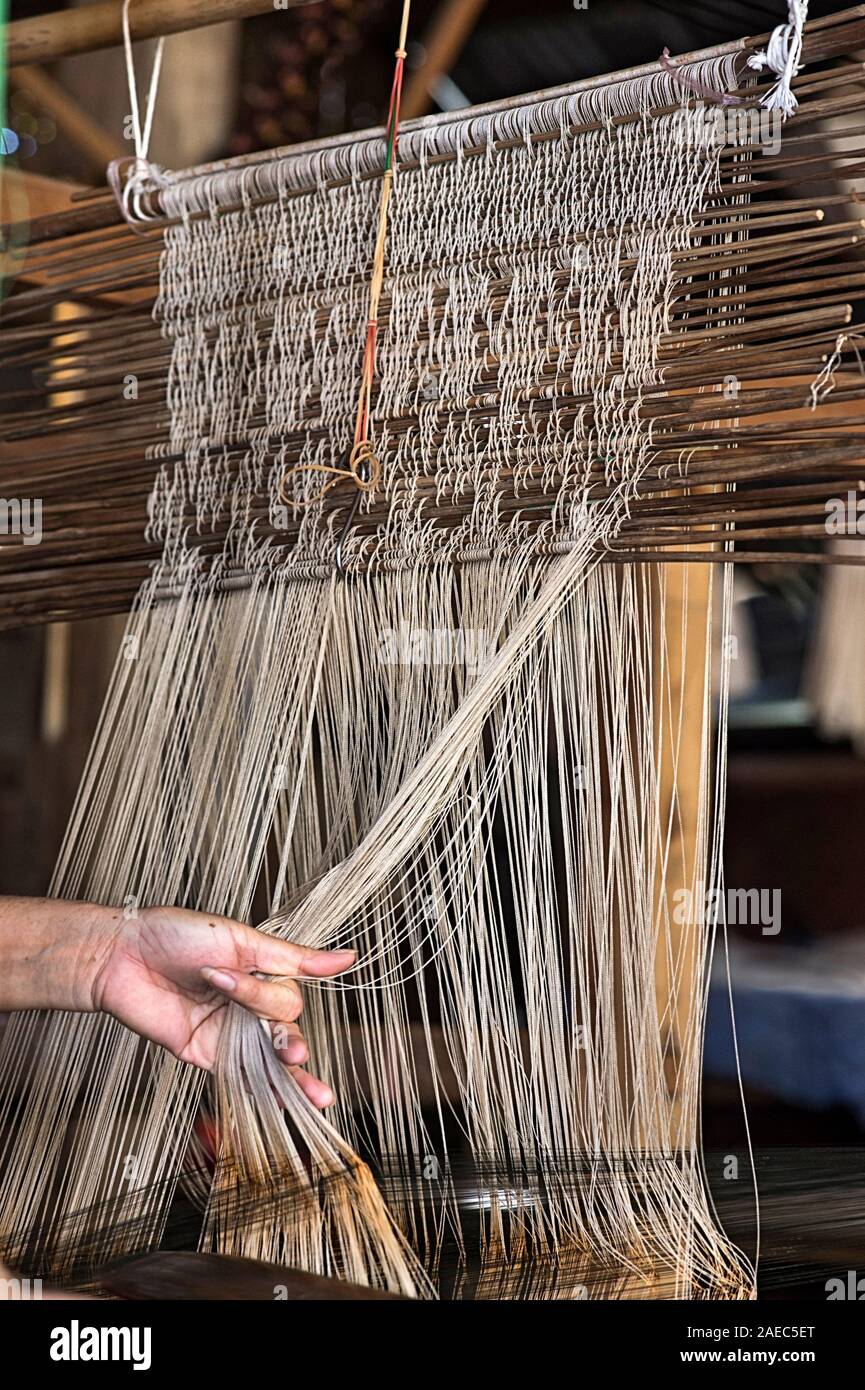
{"x":92,"y":932}
{"x":53,"y":952}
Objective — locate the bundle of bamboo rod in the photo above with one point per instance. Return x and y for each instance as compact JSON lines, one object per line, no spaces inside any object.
{"x":745,"y":449}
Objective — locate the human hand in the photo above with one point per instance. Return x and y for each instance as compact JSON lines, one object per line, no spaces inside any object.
{"x":168,"y":974}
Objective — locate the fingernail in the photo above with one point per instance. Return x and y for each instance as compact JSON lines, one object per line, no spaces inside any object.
{"x":346,"y":956}
{"x":296,"y":1052}
{"x":220,"y":979}
{"x":327,"y":1097}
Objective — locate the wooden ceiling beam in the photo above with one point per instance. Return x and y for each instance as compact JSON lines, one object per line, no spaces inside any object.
{"x":43,"y":38}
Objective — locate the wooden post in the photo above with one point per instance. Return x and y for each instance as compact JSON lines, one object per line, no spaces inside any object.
{"x":443,"y":44}
{"x":682,"y":602}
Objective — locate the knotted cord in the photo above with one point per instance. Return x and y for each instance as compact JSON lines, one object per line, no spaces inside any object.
{"x":363,"y":467}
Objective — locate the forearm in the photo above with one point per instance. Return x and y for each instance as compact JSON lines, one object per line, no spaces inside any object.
{"x":51,"y":951}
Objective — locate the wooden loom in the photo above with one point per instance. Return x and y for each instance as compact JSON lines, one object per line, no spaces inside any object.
{"x":735,"y":323}
{"x":764,"y":309}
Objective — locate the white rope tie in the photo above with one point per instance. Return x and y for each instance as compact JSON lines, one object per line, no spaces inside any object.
{"x":139,"y":171}
{"x":142,"y":137}
{"x":824,"y":384}
{"x":782,"y":56}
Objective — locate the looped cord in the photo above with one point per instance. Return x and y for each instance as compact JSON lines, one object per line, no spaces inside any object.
{"x":824,"y":383}
{"x":363,"y":466}
{"x":140,"y":174}
{"x":363,"y":469}
{"x":783,"y":56}
{"x":708,"y":93}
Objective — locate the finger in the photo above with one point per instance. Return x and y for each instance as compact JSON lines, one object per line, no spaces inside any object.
{"x":279,"y":1001}
{"x":289,"y":1044}
{"x":318,"y":1092}
{"x":276,"y":957}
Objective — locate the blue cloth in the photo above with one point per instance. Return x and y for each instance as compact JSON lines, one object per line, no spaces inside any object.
{"x":803,"y":1047}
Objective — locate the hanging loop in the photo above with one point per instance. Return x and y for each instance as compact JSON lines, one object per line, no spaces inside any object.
{"x":129,"y":177}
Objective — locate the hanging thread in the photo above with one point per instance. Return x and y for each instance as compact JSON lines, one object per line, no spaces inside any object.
{"x":783,"y":55}
{"x":363,"y":468}
{"x":700,"y":88}
{"x":138,"y":171}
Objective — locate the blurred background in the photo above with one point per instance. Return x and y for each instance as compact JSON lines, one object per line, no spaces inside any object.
{"x":796,"y":809}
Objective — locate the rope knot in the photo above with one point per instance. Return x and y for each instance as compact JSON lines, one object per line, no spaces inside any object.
{"x":363,"y":466}
{"x":141,"y":174}
{"x":783,"y":55}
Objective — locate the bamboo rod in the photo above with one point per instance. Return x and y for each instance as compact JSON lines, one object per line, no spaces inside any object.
{"x":44,"y":38}
{"x":762,"y":293}
{"x":101,"y":214}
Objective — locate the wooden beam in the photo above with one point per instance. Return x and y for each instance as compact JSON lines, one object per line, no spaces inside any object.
{"x":38,"y":194}
{"x":90,"y":27}
{"x":443,"y":43}
{"x":820,"y":43}
{"x":72,"y":120}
